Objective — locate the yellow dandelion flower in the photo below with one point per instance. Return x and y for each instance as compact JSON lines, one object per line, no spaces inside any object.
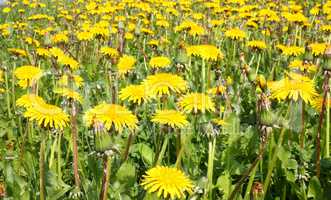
{"x":135,"y":93}
{"x":196,"y":30}
{"x":257,"y":44}
{"x":1,"y":76}
{"x":56,"y":52}
{"x":167,"y":181}
{"x":171,"y":118}
{"x":318,"y":48}
{"x":326,"y":28}
{"x":162,"y":83}
{"x":303,"y":66}
{"x":77,"y":81}
{"x":196,"y":102}
{"x":84,"y":36}
{"x":217,"y":90}
{"x":219,"y":122}
{"x":160,"y":62}
{"x":43,"y":52}
{"x":111,"y":115}
{"x":293,"y":87}
{"x":69,"y":93}
{"x":108,"y":51}
{"x":235,"y":34}
{"x":60,"y":37}
{"x":27,"y":75}
{"x":29,"y":100}
{"x":125,"y":64}
{"x":206,"y":52}
{"x":318,"y":102}
{"x":18,"y":52}
{"x":68,"y":61}
{"x":48,"y":116}
{"x":291,"y":50}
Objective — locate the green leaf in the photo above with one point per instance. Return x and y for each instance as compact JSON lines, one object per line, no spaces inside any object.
{"x":146,"y":153}
{"x":314,"y":188}
{"x":284,"y":157}
{"x":126,"y":173}
{"x":224,"y":184}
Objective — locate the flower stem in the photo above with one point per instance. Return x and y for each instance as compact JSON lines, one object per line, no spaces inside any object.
{"x":163,"y":149}
{"x":106,"y":176}
{"x":211,"y":155}
{"x":272,"y":163}
{"x":127,"y":148}
{"x":74,"y":142}
{"x":302,"y":136}
{"x":42,"y":166}
{"x":318,"y":136}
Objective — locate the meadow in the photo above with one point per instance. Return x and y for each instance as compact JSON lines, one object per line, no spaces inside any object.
{"x":162,"y":99}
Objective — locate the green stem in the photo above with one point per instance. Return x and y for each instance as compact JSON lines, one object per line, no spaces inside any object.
{"x":273,"y":161}
{"x":250,"y":182}
{"x":7,"y":95}
{"x":163,"y":149}
{"x":42,"y":166}
{"x":211,"y":156}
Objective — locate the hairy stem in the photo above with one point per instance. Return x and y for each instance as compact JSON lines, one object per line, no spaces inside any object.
{"x":106,"y":177}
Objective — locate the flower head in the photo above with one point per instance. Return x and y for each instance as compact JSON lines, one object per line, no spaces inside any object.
{"x":29,"y":100}
{"x":293,"y":87}
{"x":111,"y":115}
{"x":235,"y":34}
{"x":125,"y":64}
{"x":206,"y":52}
{"x":318,"y":48}
{"x":69,"y":93}
{"x":257,"y":44}
{"x":108,"y":51}
{"x":172,"y":118}
{"x":167,"y":181}
{"x":196,"y":102}
{"x":135,"y":93}
{"x":47,"y":115}
{"x":291,"y":50}
{"x":27,"y":75}
{"x":162,"y":83}
{"x":160,"y":62}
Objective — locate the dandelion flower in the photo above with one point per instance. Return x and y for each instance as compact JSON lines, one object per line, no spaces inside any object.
{"x":125,"y":64}
{"x":162,"y":83}
{"x":47,"y":115}
{"x":167,"y":181}
{"x":108,"y":51}
{"x":134,"y":93}
{"x":172,"y":118}
{"x":69,"y":93}
{"x":29,"y":100}
{"x":18,"y":52}
{"x":257,"y":44}
{"x":217,"y":90}
{"x":160,"y":62}
{"x":235,"y":34}
{"x":206,"y":52}
{"x":111,"y":115}
{"x":318,"y":102}
{"x":293,"y":87}
{"x":303,"y":66}
{"x":291,"y":50}
{"x":27,"y":75}
{"x":318,"y":48}
{"x":196,"y":102}
{"x":77,"y":81}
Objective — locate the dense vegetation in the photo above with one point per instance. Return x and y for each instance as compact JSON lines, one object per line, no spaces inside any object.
{"x":165,"y":99}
